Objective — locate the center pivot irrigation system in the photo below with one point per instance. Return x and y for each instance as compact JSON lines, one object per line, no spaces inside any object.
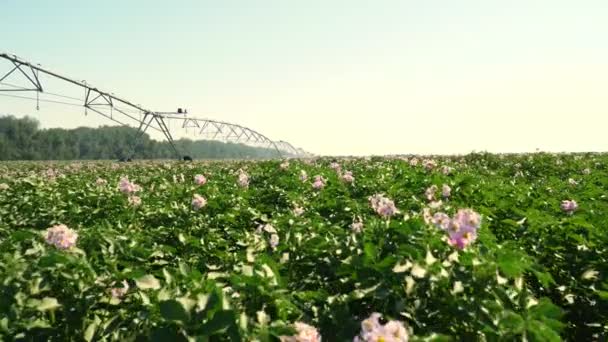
{"x":127,"y":113}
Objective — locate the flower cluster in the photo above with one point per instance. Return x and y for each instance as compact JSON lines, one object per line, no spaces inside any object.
{"x":429,"y":193}
{"x":569,"y":206}
{"x":373,"y":331}
{"x":319,"y":182}
{"x":429,"y":164}
{"x":357,"y":226}
{"x":51,"y":174}
{"x":305,"y":333}
{"x":383,"y":206}
{"x":128,"y":187}
{"x":243,"y":179}
{"x":298,"y":211}
{"x":461,"y":229}
{"x":273,"y":241}
{"x":4,"y":186}
{"x":446,"y":170}
{"x":61,"y":236}
{"x":198,"y":202}
{"x":101,"y":182}
{"x":348,"y":177}
{"x":414,"y":161}
{"x":335,"y":166}
{"x":446,"y":191}
{"x":285,"y":165}
{"x":134,"y":201}
{"x":200,"y":180}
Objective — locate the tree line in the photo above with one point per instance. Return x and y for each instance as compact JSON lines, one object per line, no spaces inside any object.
{"x":23,"y":139}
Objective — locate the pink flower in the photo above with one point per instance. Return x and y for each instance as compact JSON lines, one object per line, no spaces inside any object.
{"x":101,"y":182}
{"x":348,"y":177}
{"x":357,"y":227}
{"x":128,"y":187}
{"x":243,"y":179}
{"x":441,"y":220}
{"x":274,"y":241}
{"x":569,"y":206}
{"x":303,"y":176}
{"x":430,"y":192}
{"x":463,"y":228}
{"x":335,"y":166}
{"x":61,"y":236}
{"x":200,"y":180}
{"x":305,"y":333}
{"x":468,"y":217}
{"x":383,"y":206}
{"x":414,"y":161}
{"x":429,"y":164}
{"x":134,"y":201}
{"x":446,"y":191}
{"x":51,"y":174}
{"x":319,"y":183}
{"x":198,"y":202}
{"x":446,"y":170}
{"x":119,"y":292}
{"x":373,"y":331}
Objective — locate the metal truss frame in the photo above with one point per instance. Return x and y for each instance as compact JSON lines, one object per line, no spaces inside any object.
{"x":119,"y":110}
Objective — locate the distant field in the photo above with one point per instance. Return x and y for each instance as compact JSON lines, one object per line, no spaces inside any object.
{"x":468,"y":248}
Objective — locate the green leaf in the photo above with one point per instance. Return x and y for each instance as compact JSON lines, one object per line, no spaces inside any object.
{"x":47,"y":304}
{"x":4,"y":324}
{"x":544,"y":278}
{"x":511,"y":322}
{"x":89,"y":333}
{"x":38,"y":324}
{"x":546,"y":309}
{"x":172,"y":310}
{"x":168,"y":277}
{"x":214,"y":303}
{"x":541,"y":332}
{"x":166,"y":334}
{"x":221,"y":321}
{"x":147,"y":282}
{"x":511,"y":262}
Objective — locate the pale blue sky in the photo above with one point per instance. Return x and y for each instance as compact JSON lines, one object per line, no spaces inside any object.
{"x":338,"y":77}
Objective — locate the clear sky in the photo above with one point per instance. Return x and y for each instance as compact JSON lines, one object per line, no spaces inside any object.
{"x":338,"y":77}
